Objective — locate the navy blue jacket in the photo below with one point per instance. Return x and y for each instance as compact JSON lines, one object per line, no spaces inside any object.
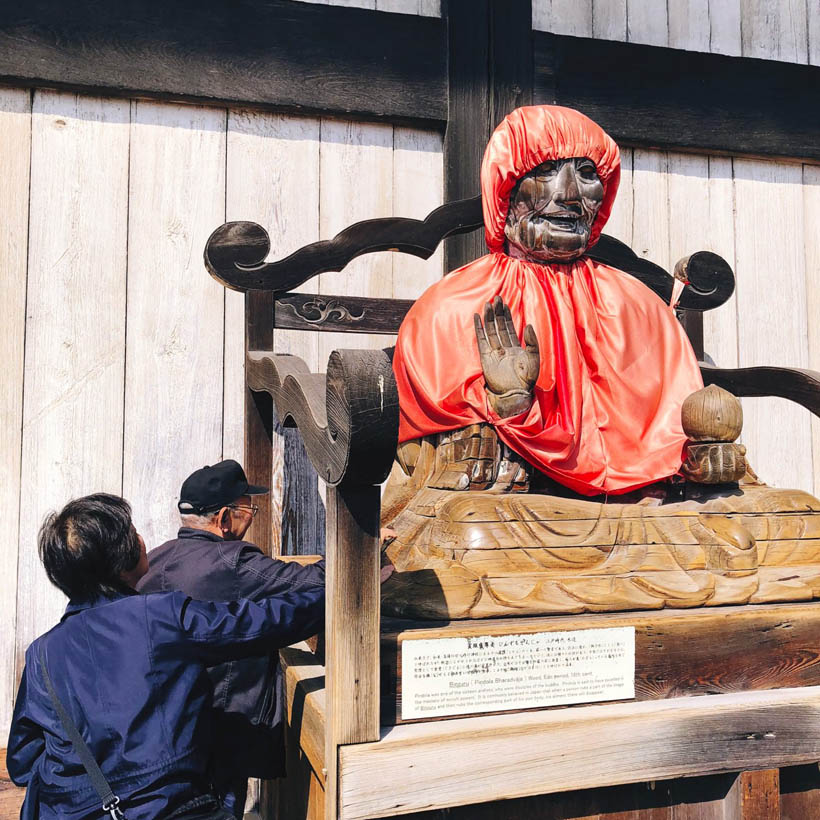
{"x":248,"y":699}
{"x":131,"y":672}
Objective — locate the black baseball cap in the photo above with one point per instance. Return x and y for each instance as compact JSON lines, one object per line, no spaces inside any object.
{"x":213,"y":487}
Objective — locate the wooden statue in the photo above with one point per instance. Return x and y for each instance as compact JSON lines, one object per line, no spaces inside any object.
{"x":558,"y":451}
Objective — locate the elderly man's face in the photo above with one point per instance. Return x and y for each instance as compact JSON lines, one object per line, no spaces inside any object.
{"x":552,"y":209}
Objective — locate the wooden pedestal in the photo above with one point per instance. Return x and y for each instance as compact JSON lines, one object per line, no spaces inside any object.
{"x":719,"y":693}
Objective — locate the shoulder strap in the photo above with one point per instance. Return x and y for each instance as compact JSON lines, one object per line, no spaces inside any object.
{"x":110,"y":801}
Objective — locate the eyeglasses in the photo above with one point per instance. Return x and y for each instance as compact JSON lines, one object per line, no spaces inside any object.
{"x":252,"y":509}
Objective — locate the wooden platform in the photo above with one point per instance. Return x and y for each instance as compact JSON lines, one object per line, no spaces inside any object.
{"x":677,"y":652}
{"x":717,"y":692}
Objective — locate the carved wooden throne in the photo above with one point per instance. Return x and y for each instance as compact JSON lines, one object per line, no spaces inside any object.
{"x":348,"y":419}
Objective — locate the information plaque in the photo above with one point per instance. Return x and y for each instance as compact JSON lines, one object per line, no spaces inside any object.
{"x":493,"y":673}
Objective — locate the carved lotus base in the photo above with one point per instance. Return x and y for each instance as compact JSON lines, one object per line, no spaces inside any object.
{"x":480,"y":555}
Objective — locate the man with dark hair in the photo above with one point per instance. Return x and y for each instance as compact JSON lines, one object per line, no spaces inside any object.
{"x":130,"y":672}
{"x":208,"y":559}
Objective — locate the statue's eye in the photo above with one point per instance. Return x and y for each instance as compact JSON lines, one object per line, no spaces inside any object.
{"x":546,"y":169}
{"x":587,"y":171}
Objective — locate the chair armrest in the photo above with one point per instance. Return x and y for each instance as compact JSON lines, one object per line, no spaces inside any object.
{"x":348,"y":418}
{"x":801,"y":386}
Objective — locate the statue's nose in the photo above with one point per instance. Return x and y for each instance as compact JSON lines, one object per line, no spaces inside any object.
{"x":567,"y":184}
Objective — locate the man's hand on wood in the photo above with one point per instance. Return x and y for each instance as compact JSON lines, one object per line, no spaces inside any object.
{"x":510,"y":370}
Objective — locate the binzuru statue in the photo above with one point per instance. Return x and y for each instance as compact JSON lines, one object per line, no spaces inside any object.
{"x":558,"y":452}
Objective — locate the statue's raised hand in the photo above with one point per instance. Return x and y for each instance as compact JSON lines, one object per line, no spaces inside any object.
{"x":510,"y":370}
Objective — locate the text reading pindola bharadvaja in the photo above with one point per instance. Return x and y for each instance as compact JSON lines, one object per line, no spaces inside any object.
{"x":490,"y":673}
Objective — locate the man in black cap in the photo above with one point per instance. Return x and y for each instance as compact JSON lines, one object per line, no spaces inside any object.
{"x":209,"y":561}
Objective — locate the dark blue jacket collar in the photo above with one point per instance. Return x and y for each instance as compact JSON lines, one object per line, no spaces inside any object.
{"x":78,"y":605}
{"x":190,"y":532}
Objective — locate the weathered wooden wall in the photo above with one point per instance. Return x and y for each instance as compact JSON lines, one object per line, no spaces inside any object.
{"x":123,"y":359}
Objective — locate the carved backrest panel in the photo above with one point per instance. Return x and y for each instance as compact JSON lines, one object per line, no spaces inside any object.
{"x":236,"y":251}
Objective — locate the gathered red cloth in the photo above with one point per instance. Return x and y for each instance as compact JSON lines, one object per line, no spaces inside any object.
{"x":616,"y":365}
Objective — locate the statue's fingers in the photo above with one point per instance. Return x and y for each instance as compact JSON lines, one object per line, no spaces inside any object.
{"x":481,"y":337}
{"x":489,"y":327}
{"x":500,"y":323}
{"x":531,"y":340}
{"x":510,"y":326}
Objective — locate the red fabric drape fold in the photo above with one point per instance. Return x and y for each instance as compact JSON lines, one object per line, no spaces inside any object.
{"x":615,"y":363}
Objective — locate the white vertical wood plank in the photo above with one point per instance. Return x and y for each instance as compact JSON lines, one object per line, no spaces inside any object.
{"x":418,"y":188}
{"x":813,"y":14}
{"x":619,"y":223}
{"x":772,"y":327}
{"x":573,"y":17}
{"x":398,"y":6}
{"x":689,"y":25}
{"x":724,"y":27}
{"x":430,"y":8}
{"x":357,"y":183}
{"x":174,"y":366}
{"x":688,"y":213}
{"x":650,"y":221}
{"x":720,"y":324}
{"x":647,"y":22}
{"x":811,"y":218}
{"x":775,"y":30}
{"x":75,"y":338}
{"x":273,"y":179}
{"x":609,"y":20}
{"x":15,"y":159}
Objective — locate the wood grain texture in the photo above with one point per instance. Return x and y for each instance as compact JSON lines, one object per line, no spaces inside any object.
{"x":660,"y":97}
{"x":691,"y":798}
{"x":811,"y":215}
{"x":351,"y":627}
{"x":609,"y":19}
{"x":472,"y":760}
{"x":306,"y":703}
{"x":275,"y":53}
{"x":174,"y":368}
{"x":15,"y":161}
{"x":720,"y":325}
{"x":775,"y":29}
{"x":418,"y":188}
{"x":469,"y":115}
{"x":647,"y":22}
{"x":574,"y":17}
{"x":273,"y":177}
{"x":769,"y":214}
{"x":355,"y":157}
{"x":75,"y":339}
{"x":756,"y":795}
{"x":677,"y":653}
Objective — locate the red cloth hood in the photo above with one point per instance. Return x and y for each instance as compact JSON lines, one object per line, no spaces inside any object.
{"x":535,"y":134}
{"x":616,"y":365}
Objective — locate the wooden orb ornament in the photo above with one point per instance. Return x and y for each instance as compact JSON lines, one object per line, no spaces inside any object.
{"x":712,"y":415}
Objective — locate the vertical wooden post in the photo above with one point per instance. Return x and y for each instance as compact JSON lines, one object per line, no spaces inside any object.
{"x":755,"y":796}
{"x":490,"y":72}
{"x":351,"y":626}
{"x":692,"y":321}
{"x":468,"y":115}
{"x":259,"y":420}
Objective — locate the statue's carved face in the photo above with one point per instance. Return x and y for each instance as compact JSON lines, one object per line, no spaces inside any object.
{"x":552,"y":209}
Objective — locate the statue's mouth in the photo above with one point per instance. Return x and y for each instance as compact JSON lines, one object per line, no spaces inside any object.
{"x":564,"y":222}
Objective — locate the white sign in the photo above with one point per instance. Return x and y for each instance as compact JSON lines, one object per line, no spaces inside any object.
{"x":494,"y":673}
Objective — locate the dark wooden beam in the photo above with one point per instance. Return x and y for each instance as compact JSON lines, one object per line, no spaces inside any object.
{"x":468,"y":114}
{"x":286,"y":55}
{"x":490,"y":70}
{"x":666,"y":98}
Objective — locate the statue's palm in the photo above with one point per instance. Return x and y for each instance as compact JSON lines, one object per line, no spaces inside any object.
{"x":510,"y":370}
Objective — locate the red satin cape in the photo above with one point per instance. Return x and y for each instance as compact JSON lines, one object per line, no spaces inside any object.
{"x":616,"y":365}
